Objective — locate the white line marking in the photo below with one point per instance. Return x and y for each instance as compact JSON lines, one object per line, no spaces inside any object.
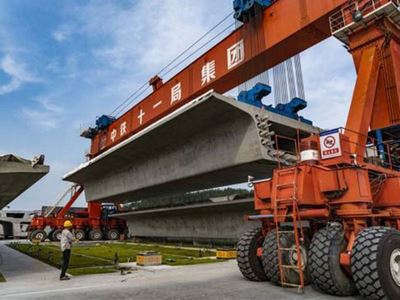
{"x":53,"y":291}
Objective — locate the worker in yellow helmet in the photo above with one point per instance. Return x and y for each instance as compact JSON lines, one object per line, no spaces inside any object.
{"x":67,"y":239}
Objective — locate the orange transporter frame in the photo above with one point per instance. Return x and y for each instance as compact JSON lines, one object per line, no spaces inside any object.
{"x":354,"y":184}
{"x":345,"y":188}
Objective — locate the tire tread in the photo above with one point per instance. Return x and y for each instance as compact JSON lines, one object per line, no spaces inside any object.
{"x":322,"y":274}
{"x":270,"y":257}
{"x":243,"y":257}
{"x":364,"y":264}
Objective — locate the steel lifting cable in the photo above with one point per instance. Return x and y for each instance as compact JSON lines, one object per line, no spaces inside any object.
{"x":142,"y":89}
{"x":267,"y":77}
{"x":279,"y":73}
{"x":288,"y":77}
{"x":127,"y":104}
{"x":117,"y":109}
{"x":277,"y":94}
{"x":291,"y":81}
{"x":198,"y":49}
{"x":299,"y":77}
{"x":278,"y":84}
{"x":285,"y":84}
{"x":282,"y":82}
{"x":196,"y":42}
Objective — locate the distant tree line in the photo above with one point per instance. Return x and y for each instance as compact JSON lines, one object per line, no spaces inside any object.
{"x":187,"y":199}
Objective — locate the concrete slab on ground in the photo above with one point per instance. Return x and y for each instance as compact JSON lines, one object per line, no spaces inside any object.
{"x":209,"y":281}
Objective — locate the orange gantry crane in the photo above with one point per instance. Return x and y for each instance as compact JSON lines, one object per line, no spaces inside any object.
{"x":333,"y":219}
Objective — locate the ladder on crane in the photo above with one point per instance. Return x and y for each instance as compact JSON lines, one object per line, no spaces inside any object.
{"x":291,"y":211}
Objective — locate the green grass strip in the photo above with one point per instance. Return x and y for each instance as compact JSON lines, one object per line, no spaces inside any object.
{"x":97,"y":258}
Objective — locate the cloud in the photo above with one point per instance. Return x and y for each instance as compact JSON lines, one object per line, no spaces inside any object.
{"x":59,"y":36}
{"x":142,"y":37}
{"x":39,"y":117}
{"x":18,"y":73}
{"x":11,"y":86}
{"x":160,"y":41}
{"x":46,"y":114}
{"x":49,"y":106}
{"x":63,"y":33}
{"x":128,"y":42}
{"x":329,"y":78}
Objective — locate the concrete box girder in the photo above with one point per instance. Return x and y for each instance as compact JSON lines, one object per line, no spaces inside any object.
{"x":212,"y":141}
{"x":203,"y":222}
{"x":17,"y":177}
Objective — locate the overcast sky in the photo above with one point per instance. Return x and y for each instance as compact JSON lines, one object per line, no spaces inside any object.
{"x":62,"y":63}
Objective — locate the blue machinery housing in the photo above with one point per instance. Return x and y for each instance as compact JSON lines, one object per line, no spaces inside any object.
{"x":254,"y":97}
{"x":246,"y":8}
{"x":101,"y":123}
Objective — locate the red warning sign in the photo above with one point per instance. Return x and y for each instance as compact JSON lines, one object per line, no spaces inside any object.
{"x":330,"y":145}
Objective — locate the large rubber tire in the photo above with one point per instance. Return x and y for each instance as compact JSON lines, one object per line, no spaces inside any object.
{"x":370,"y":263}
{"x":56,"y":235}
{"x":249,"y":263}
{"x":95,"y":235}
{"x":80,"y":234}
{"x":270,"y":258}
{"x":112,"y":235}
{"x":39,"y":235}
{"x":324,"y":262}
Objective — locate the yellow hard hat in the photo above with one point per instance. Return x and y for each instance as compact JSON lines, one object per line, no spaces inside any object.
{"x":68,"y":223}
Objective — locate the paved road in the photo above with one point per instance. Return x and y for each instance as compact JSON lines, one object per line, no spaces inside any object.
{"x":32,"y":280}
{"x":19,"y":268}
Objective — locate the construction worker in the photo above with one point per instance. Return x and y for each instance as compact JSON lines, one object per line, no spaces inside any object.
{"x":67,"y":238}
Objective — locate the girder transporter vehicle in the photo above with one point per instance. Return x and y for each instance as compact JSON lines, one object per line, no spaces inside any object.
{"x":92,"y":223}
{"x":333,"y":218}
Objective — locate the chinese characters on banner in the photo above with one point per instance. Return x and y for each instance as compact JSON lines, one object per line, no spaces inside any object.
{"x":208,"y":72}
{"x":176,"y":93}
{"x":234,"y":56}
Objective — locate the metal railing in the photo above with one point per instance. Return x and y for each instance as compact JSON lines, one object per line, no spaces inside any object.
{"x":384,"y":154}
{"x":380,"y":153}
{"x":287,"y":150}
{"x":345,"y":16}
